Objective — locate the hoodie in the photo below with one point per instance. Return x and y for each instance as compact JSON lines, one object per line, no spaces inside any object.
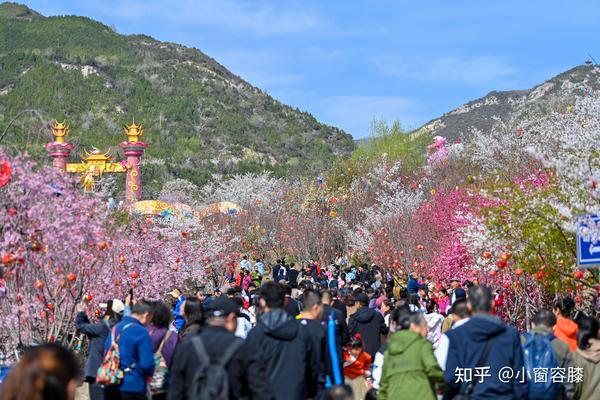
{"x":589,"y":360}
{"x":287,"y":353}
{"x":370,"y":325}
{"x":467,"y":344}
{"x":566,"y":330}
{"x":409,"y":368}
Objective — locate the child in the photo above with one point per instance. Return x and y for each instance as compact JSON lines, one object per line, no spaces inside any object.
{"x":356,"y":364}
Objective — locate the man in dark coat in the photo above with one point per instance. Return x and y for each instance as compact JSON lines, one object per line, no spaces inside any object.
{"x":285,"y":347}
{"x":341,"y":329}
{"x":97,"y":334}
{"x":467,"y":345}
{"x":245,"y":371}
{"x":369,"y":323}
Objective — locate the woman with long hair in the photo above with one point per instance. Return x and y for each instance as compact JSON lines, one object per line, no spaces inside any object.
{"x":193,"y":312}
{"x":45,"y":372}
{"x":164,"y":340}
{"x":587,"y":356}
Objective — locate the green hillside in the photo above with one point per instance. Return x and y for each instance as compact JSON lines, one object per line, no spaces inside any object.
{"x":200,"y":120}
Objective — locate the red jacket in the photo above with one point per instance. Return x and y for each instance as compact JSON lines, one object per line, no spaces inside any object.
{"x":566,"y":330}
{"x":359,"y":366}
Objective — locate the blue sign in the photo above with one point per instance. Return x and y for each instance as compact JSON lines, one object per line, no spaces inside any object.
{"x":588,"y":252}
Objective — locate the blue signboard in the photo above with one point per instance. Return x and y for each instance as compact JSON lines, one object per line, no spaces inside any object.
{"x":588,"y":252}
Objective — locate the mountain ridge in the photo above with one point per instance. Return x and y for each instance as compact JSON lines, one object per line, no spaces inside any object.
{"x":202,"y":121}
{"x":555,"y":94}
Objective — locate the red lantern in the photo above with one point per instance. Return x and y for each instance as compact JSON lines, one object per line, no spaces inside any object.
{"x":134,"y":275}
{"x":487,"y":254}
{"x":50,"y":306}
{"x":4,"y":172}
{"x":184,"y":234}
{"x":7,"y":259}
{"x":518,"y":271}
{"x":540,"y":275}
{"x":505,"y":256}
{"x":88,"y":297}
{"x":71,"y":277}
{"x":578,"y":274}
{"x":492,"y":273}
{"x":420,"y":247}
{"x":39,"y":285}
{"x":501,"y":264}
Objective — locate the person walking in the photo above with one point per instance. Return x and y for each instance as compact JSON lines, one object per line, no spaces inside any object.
{"x":311,"y":318}
{"x":164,"y":342}
{"x":136,"y":356}
{"x":543,"y":351}
{"x":234,"y":364}
{"x":587,"y":357}
{"x":458,"y":315}
{"x":285,"y":346}
{"x":193,"y":313}
{"x":97,"y":334}
{"x":409,"y":367}
{"x":342,"y":336}
{"x":368,"y":323}
{"x":434,"y":323}
{"x":565,"y":328}
{"x":484,"y":342}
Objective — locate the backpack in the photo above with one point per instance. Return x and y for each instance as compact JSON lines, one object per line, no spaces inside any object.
{"x":110,"y":372}
{"x":160,"y":378}
{"x":538,"y":354}
{"x":210,"y":380}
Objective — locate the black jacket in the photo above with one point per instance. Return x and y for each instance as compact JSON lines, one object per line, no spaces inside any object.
{"x":286,"y":350}
{"x":371,"y":325}
{"x":318,"y":335}
{"x":292,"y":306}
{"x":339,"y":305}
{"x":97,"y":334}
{"x":247,"y":375}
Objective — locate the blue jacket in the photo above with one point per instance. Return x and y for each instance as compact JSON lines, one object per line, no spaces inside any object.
{"x":135,"y":346}
{"x":467,"y":343}
{"x":413,"y":285}
{"x":178,"y":319}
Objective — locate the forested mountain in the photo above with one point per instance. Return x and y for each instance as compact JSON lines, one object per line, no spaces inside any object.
{"x":200,"y":120}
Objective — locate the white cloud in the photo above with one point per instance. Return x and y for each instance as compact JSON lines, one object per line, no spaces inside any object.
{"x":355,"y":113}
{"x":261,"y":18}
{"x":475,"y":70}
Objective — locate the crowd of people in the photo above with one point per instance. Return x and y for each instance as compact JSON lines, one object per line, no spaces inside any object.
{"x":315,"y":332}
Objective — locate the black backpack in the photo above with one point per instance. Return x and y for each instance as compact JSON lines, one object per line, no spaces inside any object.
{"x":210,"y":380}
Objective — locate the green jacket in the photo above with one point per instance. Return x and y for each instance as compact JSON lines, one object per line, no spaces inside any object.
{"x":409,"y":368}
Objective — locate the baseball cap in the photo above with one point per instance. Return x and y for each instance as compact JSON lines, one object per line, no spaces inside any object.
{"x":118,"y":307}
{"x":222,"y":307}
{"x":454,"y":280}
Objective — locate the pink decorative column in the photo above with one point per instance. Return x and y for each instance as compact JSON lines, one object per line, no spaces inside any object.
{"x":58,"y":149}
{"x":134,"y":150}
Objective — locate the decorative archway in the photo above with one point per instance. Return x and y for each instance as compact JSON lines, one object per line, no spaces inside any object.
{"x":96,"y":163}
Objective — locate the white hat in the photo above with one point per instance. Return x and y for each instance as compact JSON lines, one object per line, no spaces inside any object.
{"x":118,"y":307}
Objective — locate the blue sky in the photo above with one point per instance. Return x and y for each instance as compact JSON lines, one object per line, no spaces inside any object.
{"x":348,"y":62}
